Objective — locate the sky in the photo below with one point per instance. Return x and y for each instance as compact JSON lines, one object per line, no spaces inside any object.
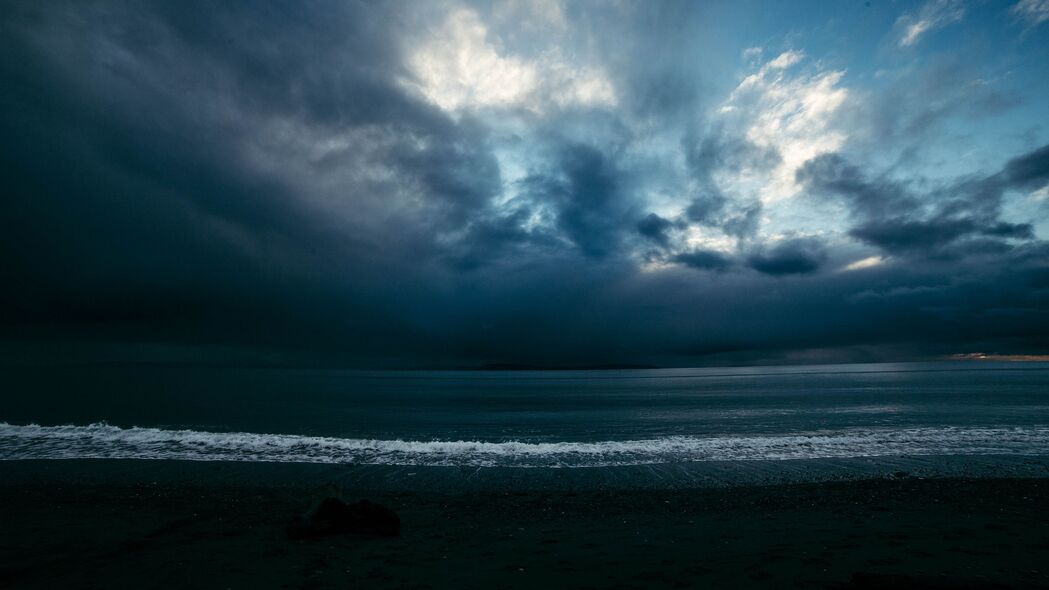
{"x":431,"y":184}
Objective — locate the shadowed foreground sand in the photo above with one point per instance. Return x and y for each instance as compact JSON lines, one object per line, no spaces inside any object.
{"x":949,"y":533}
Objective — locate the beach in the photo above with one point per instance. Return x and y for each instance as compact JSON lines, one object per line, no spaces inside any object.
{"x":199,"y":528}
{"x":857,"y":476}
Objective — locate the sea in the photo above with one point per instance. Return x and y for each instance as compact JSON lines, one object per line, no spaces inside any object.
{"x":527,"y":419}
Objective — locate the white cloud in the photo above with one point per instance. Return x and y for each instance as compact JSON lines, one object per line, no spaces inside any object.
{"x":934,"y":14}
{"x":912,"y":31}
{"x":566,"y":84}
{"x":785,"y":60}
{"x":780,"y":62}
{"x":751,"y":54}
{"x":702,"y":238}
{"x":869,"y":262}
{"x":458,"y":67}
{"x":461,"y":66}
{"x":1033,"y":12}
{"x":790,"y":113}
{"x":531,"y":14}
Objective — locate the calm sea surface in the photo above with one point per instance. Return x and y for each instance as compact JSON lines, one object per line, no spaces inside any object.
{"x":539,"y":418}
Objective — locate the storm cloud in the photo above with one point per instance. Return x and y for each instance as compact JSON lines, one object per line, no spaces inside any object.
{"x":894,"y":217}
{"x":798,"y":256}
{"x":451,"y":184}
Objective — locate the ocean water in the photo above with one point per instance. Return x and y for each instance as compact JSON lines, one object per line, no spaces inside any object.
{"x":562,"y":419}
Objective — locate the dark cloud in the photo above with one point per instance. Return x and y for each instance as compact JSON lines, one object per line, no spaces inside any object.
{"x":1004,"y":229}
{"x":867,"y":198}
{"x":159,"y":223}
{"x":189,"y":181}
{"x":586,"y":190}
{"x":889,"y":215}
{"x":704,"y":260}
{"x":789,"y":257}
{"x":1030,"y":170}
{"x":720,"y":151}
{"x":744,"y":222}
{"x":899,"y":235}
{"x":493,"y":237}
{"x":656,"y":229}
{"x":706,"y":209}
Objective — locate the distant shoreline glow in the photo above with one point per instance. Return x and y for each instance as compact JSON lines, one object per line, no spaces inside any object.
{"x":979,"y":356}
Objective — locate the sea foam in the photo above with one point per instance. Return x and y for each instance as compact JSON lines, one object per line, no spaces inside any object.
{"x":103,"y":441}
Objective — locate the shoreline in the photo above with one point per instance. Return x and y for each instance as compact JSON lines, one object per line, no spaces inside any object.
{"x":425,"y":479}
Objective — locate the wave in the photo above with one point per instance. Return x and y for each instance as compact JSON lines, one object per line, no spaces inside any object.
{"x":103,"y":441}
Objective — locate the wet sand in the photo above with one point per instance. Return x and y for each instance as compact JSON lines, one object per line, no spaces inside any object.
{"x":886,"y":532}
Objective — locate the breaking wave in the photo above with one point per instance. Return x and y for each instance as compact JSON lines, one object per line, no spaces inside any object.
{"x":103,"y":441}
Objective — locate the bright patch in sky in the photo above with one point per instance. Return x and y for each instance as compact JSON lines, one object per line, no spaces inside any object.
{"x":790,"y":112}
{"x":933,"y":15}
{"x":462,"y":66}
{"x":868,"y":262}
{"x":1034,"y":12}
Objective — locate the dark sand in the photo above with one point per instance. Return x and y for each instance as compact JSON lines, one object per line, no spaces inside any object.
{"x":886,"y":532}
